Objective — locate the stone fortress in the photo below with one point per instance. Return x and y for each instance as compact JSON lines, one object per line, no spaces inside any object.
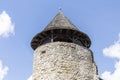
{"x":61,"y":52}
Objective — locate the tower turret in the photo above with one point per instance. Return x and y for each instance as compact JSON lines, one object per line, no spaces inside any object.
{"x":62,"y":53}
{"x":61,"y":29}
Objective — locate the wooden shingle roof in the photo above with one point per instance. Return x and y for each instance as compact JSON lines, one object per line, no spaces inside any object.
{"x":58,"y":24}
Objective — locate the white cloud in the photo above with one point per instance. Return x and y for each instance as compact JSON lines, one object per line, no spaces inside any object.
{"x":30,"y":78}
{"x":113,"y":51}
{"x":3,"y":71}
{"x":6,"y":25}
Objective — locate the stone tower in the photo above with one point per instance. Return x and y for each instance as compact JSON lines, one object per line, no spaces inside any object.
{"x":62,"y":53}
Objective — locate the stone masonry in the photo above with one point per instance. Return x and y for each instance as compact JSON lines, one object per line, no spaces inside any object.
{"x":63,"y":61}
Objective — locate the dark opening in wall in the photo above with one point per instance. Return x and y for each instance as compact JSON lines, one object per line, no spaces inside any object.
{"x":43,"y":52}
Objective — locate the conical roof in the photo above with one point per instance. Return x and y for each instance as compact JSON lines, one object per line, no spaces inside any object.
{"x":60,"y":22}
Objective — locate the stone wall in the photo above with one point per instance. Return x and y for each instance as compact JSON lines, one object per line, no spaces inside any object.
{"x":63,"y":61}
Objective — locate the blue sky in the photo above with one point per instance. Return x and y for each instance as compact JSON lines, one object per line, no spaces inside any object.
{"x":100,"y":19}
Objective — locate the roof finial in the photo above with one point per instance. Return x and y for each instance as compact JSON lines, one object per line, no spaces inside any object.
{"x":60,"y":9}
